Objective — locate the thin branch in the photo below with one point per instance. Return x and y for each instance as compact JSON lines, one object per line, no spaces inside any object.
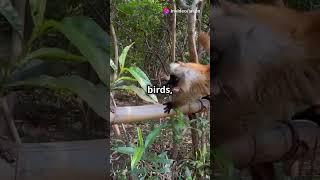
{"x":116,"y":51}
{"x":192,"y":17}
{"x":157,"y":54}
{"x":115,"y":126}
{"x":173,"y":31}
{"x":201,"y":3}
{"x":122,"y":125}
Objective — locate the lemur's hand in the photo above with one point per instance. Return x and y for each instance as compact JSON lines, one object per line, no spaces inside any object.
{"x":169,"y":106}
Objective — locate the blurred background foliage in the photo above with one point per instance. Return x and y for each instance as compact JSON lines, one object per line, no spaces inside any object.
{"x":51,"y":108}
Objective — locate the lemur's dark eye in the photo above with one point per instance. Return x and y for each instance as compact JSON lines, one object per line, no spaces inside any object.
{"x":173,"y":81}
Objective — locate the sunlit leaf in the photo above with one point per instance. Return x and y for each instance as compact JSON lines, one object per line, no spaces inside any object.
{"x":136,"y":157}
{"x":140,"y":138}
{"x":113,"y":66}
{"x":122,"y":57}
{"x":138,"y":91}
{"x":124,"y":150}
{"x":152,"y":136}
{"x":143,"y":80}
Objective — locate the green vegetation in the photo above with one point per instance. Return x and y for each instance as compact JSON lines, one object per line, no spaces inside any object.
{"x":137,"y":75}
{"x":166,"y":151}
{"x":83,"y":33}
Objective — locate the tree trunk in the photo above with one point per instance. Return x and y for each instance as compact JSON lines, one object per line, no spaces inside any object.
{"x":173,"y":24}
{"x":192,"y":38}
{"x":201,"y":3}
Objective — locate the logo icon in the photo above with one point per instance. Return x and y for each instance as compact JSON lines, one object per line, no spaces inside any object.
{"x":165,"y":10}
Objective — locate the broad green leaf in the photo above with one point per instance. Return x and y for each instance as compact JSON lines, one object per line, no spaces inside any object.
{"x":140,"y":73}
{"x":8,"y":11}
{"x":53,"y":54}
{"x":152,"y":136}
{"x":138,"y":91}
{"x":91,"y":41}
{"x":36,"y":68}
{"x":38,"y":8}
{"x":125,"y":150}
{"x":143,"y":80}
{"x":136,"y":157}
{"x":113,"y":66}
{"x":126,"y":79}
{"x":94,"y":96}
{"x":140,"y":77}
{"x":122,"y":57}
{"x":121,"y":81}
{"x":117,"y":85}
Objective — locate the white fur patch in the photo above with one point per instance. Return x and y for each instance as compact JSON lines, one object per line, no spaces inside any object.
{"x":177,"y":69}
{"x":188,"y":76}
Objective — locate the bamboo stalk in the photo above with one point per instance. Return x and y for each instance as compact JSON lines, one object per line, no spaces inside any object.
{"x":130,"y":114}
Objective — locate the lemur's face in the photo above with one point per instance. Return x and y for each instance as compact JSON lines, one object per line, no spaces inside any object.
{"x":177,"y":74}
{"x":173,"y":83}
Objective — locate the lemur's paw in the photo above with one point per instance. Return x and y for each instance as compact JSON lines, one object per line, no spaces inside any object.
{"x":206,"y":97}
{"x":169,"y":106}
{"x":203,"y":107}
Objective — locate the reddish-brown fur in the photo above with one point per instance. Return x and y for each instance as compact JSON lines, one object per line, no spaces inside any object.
{"x":197,"y":89}
{"x":304,"y":27}
{"x":201,"y":68}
